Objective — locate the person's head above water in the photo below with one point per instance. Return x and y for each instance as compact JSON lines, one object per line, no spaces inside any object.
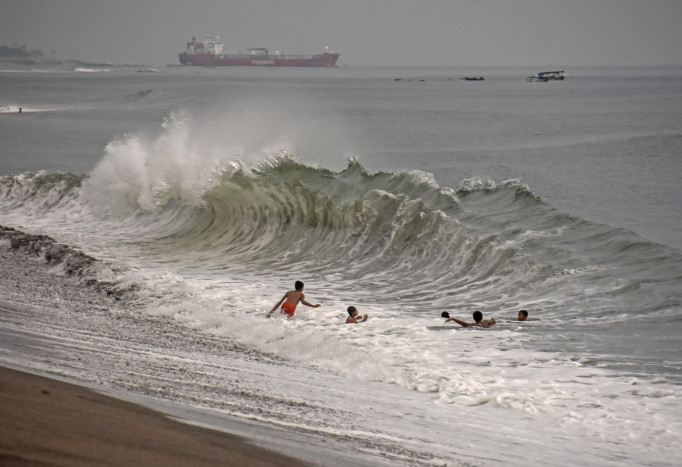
{"x":445,"y":314}
{"x":478,"y":316}
{"x":298,"y":285}
{"x":523,"y":314}
{"x":351,"y":310}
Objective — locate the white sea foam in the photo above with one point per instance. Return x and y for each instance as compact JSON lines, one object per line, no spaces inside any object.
{"x":11,"y":109}
{"x":82,"y":69}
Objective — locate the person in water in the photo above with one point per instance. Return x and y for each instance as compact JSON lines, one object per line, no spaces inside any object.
{"x":354,"y":316}
{"x":523,"y":315}
{"x":291,"y":299}
{"x":478,"y":318}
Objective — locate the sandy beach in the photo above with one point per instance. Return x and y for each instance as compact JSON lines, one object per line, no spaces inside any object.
{"x":50,"y":422}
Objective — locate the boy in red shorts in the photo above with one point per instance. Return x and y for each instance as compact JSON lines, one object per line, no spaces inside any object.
{"x":291,"y":299}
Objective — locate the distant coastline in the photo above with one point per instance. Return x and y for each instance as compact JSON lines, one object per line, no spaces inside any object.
{"x":19,"y":55}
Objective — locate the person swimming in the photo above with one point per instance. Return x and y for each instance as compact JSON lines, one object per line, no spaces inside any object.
{"x":523,"y":315}
{"x":478,"y":320}
{"x":290,"y":300}
{"x":354,"y":315}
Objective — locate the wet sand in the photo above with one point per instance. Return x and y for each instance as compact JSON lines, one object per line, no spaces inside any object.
{"x":48,"y":422}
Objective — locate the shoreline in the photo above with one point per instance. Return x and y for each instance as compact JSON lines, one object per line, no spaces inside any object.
{"x":52,"y":422}
{"x":53,"y":419}
{"x":58,"y":321}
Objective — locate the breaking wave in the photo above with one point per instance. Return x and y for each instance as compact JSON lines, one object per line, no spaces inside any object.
{"x":398,"y":234}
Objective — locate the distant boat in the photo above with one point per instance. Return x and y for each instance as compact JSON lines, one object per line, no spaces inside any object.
{"x":545,"y":76}
{"x":473,"y":78}
{"x":210,"y":53}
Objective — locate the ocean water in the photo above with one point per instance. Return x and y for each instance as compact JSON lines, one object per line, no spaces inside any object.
{"x":404,"y":192}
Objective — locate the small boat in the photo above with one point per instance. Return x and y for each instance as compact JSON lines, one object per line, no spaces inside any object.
{"x":473,"y":78}
{"x":544,"y":76}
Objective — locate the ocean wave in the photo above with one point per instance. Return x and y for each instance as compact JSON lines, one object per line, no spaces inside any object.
{"x":398,"y":234}
{"x":39,"y":192}
{"x":75,"y":262}
{"x":67,"y":260}
{"x":90,"y":70}
{"x":483,"y":242}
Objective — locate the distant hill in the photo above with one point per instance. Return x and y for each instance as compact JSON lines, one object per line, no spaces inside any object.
{"x":20,"y":54}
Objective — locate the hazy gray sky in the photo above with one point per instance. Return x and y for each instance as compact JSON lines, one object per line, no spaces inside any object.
{"x":365,"y":32}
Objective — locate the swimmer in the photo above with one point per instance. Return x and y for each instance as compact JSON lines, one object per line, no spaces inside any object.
{"x":354,"y":315}
{"x":523,"y":315}
{"x":478,"y":318}
{"x":291,"y":299}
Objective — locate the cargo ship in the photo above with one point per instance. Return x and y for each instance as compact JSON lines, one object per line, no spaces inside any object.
{"x":210,"y":53}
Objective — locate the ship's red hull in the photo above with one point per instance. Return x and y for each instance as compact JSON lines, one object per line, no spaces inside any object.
{"x":320,"y":60}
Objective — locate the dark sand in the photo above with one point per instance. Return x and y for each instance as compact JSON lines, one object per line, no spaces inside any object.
{"x":49,"y":422}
